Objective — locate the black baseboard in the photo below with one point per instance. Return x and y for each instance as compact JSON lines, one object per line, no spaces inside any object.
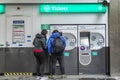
{"x":1,"y":74}
{"x":35,"y":74}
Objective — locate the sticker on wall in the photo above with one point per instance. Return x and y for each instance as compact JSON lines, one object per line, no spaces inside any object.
{"x":28,"y":40}
{"x":28,"y":36}
{"x":14,"y":42}
{"x":45,"y":26}
{"x":95,"y":53}
{"x":20,"y":45}
{"x":66,"y":54}
{"x":1,"y":44}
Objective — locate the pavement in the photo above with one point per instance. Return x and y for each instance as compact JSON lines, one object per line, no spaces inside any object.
{"x":69,"y":77}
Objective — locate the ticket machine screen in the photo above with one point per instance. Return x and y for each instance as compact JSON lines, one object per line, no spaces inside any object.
{"x":84,"y":40}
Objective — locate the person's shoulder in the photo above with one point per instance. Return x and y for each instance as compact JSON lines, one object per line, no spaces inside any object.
{"x":62,"y":37}
{"x":42,"y":36}
{"x":50,"y":38}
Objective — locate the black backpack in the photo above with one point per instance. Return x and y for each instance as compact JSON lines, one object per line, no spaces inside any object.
{"x":58,"y":46}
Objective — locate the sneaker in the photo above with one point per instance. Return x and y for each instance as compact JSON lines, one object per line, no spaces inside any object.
{"x":64,"y":76}
{"x":38,"y":78}
{"x":51,"y":76}
{"x":43,"y":78}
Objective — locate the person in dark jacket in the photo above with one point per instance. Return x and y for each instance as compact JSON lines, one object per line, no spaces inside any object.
{"x":54,"y":56}
{"x":39,"y":53}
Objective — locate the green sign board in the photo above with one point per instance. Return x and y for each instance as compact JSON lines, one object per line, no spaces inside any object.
{"x":45,"y":26}
{"x":72,"y":8}
{"x":2,"y":8}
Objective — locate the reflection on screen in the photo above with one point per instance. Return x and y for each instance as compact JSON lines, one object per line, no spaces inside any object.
{"x":84,"y":40}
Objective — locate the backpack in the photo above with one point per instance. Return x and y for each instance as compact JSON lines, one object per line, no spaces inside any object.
{"x":37,"y":42}
{"x":58,"y":46}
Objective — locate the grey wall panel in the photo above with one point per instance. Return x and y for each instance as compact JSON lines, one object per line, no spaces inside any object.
{"x":2,"y":63}
{"x":2,"y":60}
{"x":22,"y":60}
{"x":115,"y":37}
{"x":19,"y":60}
{"x":71,"y":62}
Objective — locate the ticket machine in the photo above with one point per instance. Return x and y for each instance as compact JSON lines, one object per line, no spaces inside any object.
{"x":92,"y":49}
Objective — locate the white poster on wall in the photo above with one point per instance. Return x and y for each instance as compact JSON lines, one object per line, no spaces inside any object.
{"x":18,"y":31}
{"x":18,"y":35}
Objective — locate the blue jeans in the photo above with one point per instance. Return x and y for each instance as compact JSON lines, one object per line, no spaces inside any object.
{"x":54,"y":59}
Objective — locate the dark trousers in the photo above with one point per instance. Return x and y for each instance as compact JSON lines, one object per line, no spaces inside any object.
{"x":54,"y":59}
{"x":40,"y":59}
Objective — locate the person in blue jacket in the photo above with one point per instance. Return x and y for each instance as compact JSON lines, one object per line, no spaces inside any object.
{"x":53,"y":55}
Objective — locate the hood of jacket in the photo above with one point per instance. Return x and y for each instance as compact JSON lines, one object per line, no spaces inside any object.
{"x":55,"y":35}
{"x":38,"y":35}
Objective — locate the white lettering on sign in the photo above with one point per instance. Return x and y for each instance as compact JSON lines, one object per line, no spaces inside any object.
{"x":47,"y":8}
{"x":100,"y":8}
{"x":54,"y":8}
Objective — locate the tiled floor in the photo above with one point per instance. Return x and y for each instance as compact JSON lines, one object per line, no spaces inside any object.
{"x":82,"y":77}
